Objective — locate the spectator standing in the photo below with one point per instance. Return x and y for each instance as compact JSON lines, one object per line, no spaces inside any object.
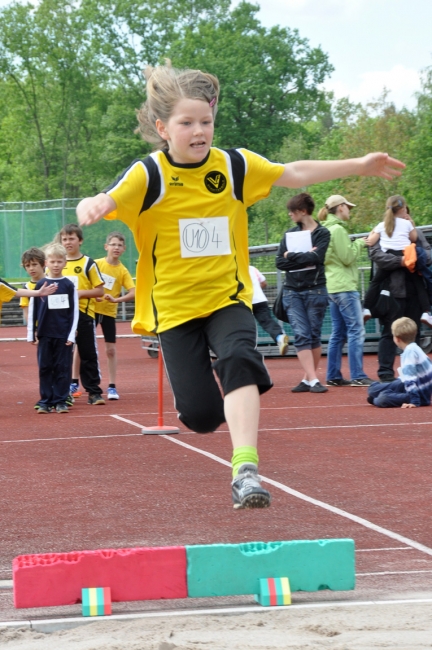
{"x":115,"y":276}
{"x":305,"y":296}
{"x":341,"y":270}
{"x":262,"y":312}
{"x":407,"y":299}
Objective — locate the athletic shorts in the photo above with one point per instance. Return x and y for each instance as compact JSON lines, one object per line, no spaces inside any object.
{"x":231,"y":334}
{"x":108,"y":325}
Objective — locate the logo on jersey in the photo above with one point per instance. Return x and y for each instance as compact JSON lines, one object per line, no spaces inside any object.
{"x":215,"y":182}
{"x":175,"y":180}
{"x":78,"y":269}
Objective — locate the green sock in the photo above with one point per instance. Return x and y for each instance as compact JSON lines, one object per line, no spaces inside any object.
{"x":243,"y":455}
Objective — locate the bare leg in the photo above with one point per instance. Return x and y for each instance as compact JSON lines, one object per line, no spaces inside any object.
{"x":242,"y":408}
{"x":307,"y":360}
{"x":316,"y":353}
{"x":111,"y":353}
{"x":76,"y":364}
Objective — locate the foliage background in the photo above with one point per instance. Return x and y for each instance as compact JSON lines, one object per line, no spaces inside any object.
{"x":71,"y":81}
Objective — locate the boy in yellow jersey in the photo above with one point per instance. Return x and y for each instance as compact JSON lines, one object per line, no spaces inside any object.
{"x":186,"y":205}
{"x":115,"y":276}
{"x":33,"y":260}
{"x":84,"y":273}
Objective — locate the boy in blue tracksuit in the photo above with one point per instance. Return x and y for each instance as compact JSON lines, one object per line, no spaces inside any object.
{"x":52,"y":323}
{"x":414,"y":387}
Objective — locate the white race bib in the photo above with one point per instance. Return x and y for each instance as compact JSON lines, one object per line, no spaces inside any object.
{"x":73,"y":279}
{"x":108,"y":281}
{"x":58,"y":301}
{"x":204,"y":237}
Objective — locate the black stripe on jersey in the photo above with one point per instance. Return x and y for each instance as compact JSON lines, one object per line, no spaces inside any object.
{"x":240,"y":285}
{"x":154,"y":183}
{"x":155,"y":312}
{"x":238,"y":172}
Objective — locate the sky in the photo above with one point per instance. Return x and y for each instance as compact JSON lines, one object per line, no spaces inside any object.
{"x":372,"y":44}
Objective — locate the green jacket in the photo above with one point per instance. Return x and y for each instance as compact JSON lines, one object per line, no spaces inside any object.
{"x":342,"y":256}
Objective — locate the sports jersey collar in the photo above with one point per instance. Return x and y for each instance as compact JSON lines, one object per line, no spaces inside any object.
{"x":186,"y":165}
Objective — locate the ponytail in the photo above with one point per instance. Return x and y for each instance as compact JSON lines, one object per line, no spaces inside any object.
{"x":322,"y":214}
{"x":393,"y":205}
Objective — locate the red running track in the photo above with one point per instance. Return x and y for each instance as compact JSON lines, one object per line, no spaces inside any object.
{"x":89,"y":479}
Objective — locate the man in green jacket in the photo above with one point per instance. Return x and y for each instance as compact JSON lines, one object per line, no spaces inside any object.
{"x":341,"y":269}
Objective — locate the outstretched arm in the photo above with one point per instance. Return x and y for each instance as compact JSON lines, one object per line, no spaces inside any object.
{"x":94,"y":208}
{"x":307,"y":172}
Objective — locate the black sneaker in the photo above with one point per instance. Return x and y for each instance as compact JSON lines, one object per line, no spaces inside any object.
{"x":95,"y":400}
{"x":362,"y":382}
{"x":318,"y":388}
{"x":246,"y":489}
{"x":61,"y":408}
{"x":301,"y":388}
{"x":43,"y":409}
{"x":338,"y":382}
{"x":386,"y":379}
{"x":70,"y":400}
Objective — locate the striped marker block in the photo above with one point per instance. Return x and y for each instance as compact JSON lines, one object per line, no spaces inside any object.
{"x":274,"y":591}
{"x":96,"y":601}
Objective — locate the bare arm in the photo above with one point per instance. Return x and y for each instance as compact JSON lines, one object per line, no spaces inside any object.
{"x":372,"y":238}
{"x":130,"y":295}
{"x":306,"y":172}
{"x":94,"y":208}
{"x":413,"y":235}
{"x":91,"y":293}
{"x":45,"y":290}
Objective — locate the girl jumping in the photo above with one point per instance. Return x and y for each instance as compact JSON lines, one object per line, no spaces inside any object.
{"x":186,"y":205}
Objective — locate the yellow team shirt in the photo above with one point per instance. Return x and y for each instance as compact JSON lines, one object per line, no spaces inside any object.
{"x":189,"y":222}
{"x":24,"y":300}
{"x":115,"y":277}
{"x":85,"y":275}
{"x":6,"y":291}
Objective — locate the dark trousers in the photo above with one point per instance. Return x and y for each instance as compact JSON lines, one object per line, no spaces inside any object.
{"x":55,"y":364}
{"x":409,"y":307}
{"x":388,"y":395}
{"x":87,"y":348}
{"x":262,"y":313}
{"x":423,"y":286}
{"x":231,"y":334}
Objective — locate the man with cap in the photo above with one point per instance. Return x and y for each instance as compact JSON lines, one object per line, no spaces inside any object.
{"x":341,"y":269}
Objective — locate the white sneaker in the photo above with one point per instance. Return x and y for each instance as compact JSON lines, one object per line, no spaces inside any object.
{"x":366,"y":315}
{"x":283,"y":341}
{"x":426,"y":319}
{"x":112,"y":393}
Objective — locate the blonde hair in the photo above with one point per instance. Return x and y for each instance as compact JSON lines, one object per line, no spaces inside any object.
{"x":405,"y":329}
{"x":166,"y":86}
{"x":393,"y":205}
{"x":55,"y":250}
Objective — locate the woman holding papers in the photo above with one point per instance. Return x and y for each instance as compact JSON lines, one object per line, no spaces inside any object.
{"x":301,"y":255}
{"x":341,"y":267}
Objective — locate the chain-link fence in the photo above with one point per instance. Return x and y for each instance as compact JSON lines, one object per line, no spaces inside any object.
{"x":28,"y":224}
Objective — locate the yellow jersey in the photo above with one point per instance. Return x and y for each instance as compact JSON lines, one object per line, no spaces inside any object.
{"x":25,"y":300}
{"x":6,"y":291}
{"x":189,"y":223}
{"x":85,"y":275}
{"x":115,"y":277}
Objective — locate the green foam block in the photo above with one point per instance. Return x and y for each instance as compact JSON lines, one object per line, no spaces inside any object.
{"x":235,"y":569}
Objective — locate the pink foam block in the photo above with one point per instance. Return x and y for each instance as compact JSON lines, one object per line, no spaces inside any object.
{"x":132,"y":573}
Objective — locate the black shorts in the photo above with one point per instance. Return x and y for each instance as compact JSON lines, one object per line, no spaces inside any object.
{"x":108,"y":325}
{"x":231,"y":334}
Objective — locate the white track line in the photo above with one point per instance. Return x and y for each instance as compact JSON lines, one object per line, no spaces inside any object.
{"x":393,"y":573}
{"x":377,"y":550}
{"x":305,"y":497}
{"x":54,"y":624}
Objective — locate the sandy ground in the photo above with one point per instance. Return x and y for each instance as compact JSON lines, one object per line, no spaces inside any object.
{"x":405,"y":626}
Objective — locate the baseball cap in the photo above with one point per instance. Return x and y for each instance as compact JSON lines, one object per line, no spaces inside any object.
{"x":335,"y":200}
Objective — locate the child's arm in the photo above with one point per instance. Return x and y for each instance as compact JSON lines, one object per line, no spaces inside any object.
{"x":413,"y":235}
{"x":91,"y":293}
{"x":307,"y":172}
{"x":372,"y":238}
{"x":94,"y":208}
{"x":45,"y":290}
{"x":130,"y":295}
